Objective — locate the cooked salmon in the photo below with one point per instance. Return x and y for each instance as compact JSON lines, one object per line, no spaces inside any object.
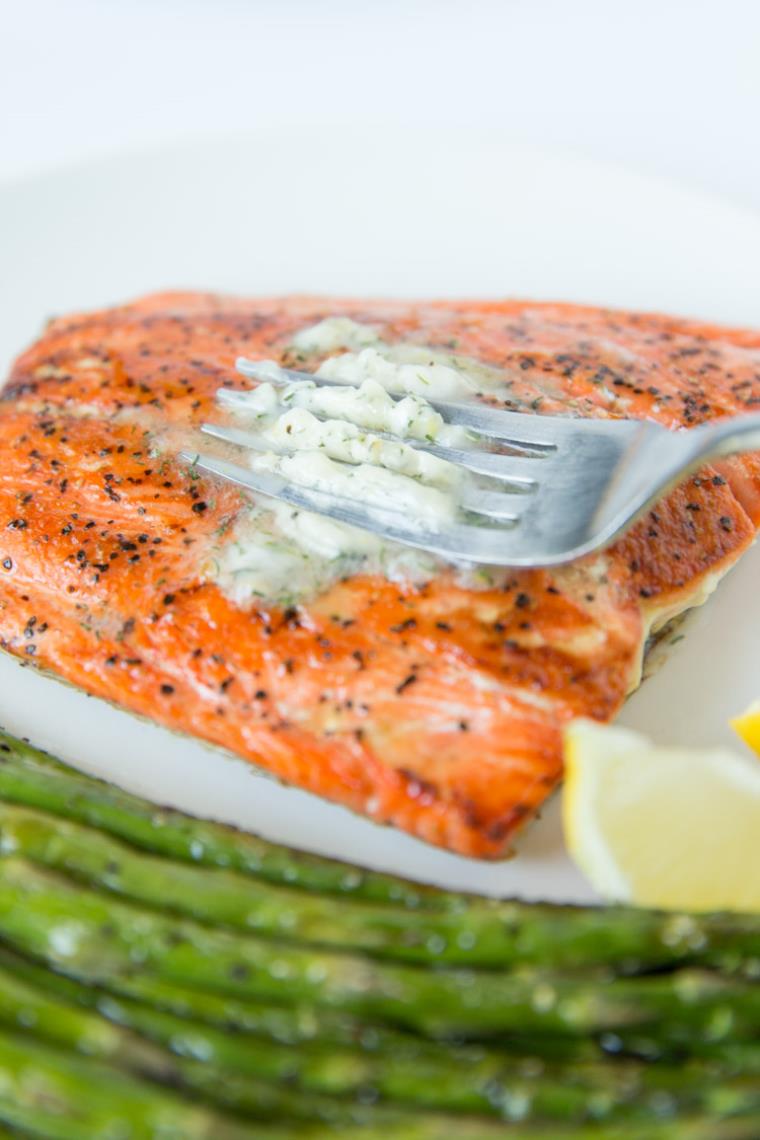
{"x":436,"y":706}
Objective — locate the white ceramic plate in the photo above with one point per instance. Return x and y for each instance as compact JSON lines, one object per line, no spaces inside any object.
{"x":433,"y":215}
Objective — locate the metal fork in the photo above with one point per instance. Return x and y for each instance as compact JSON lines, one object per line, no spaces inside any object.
{"x":566,"y":486}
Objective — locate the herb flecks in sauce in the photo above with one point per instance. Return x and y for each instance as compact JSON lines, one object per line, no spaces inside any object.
{"x":326,"y":438}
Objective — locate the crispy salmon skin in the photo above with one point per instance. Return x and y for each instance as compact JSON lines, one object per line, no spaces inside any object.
{"x":435,"y":707}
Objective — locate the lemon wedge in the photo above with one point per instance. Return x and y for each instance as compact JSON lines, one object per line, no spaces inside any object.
{"x":663,"y":827}
{"x":747,"y":726}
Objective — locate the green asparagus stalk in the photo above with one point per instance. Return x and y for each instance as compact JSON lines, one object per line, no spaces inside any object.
{"x":219,"y":897}
{"x":744,"y":1127}
{"x":307,"y":1023}
{"x":447,"y":1085}
{"x":740,"y":1056}
{"x":95,"y":937}
{"x":426,"y":1076}
{"x":293,"y":1025}
{"x":288,"y":1024}
{"x":25,"y":1005}
{"x":45,"y":1082}
{"x":462,"y":931}
{"x":732,"y":1056}
{"x":456,"y":1079}
{"x":481,"y":937}
{"x":170,"y":988}
{"x":54,"y":1094}
{"x":12,"y":1134}
{"x":740,"y":1127}
{"x":32,"y":777}
{"x":47,"y":1090}
{"x":221,"y":1068}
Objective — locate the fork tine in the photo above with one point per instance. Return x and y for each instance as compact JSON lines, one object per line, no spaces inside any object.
{"x":493,"y":464}
{"x":449,"y":542}
{"x":513,"y":482}
{"x":237,"y":436}
{"x":492,"y":504}
{"x":515,"y":429}
{"x":479,"y":462}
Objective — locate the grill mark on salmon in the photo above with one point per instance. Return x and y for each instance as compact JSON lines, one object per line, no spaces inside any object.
{"x":435,"y":708}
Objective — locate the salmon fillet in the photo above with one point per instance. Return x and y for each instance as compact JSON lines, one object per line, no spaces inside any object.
{"x":437,"y":707}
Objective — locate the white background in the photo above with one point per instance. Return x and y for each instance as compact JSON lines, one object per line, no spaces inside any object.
{"x":663,"y":86}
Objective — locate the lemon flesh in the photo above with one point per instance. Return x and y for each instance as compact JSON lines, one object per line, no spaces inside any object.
{"x":666,"y":827}
{"x":747,"y":726}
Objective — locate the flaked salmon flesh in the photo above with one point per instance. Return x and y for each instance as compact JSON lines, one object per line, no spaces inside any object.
{"x":434,"y":707}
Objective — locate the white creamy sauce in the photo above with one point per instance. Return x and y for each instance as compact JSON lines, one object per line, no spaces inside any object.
{"x":284,"y":555}
{"x":325,"y":438}
{"x":366,"y":484}
{"x":418,"y":376}
{"x":299,"y":430}
{"x":334,"y":333}
{"x":414,"y":369}
{"x":367,"y":405}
